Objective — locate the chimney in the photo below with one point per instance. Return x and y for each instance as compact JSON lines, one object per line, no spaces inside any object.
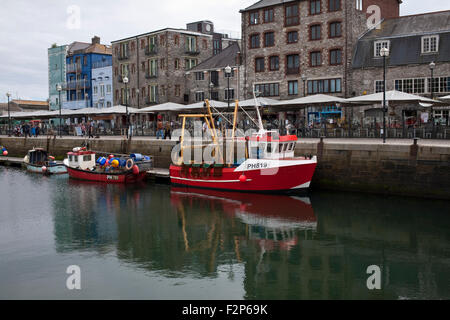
{"x":96,"y":40}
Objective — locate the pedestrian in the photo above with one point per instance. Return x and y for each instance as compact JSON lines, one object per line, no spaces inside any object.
{"x":91,"y":130}
{"x":159,"y":128}
{"x":167,"y":131}
{"x":33,"y":131}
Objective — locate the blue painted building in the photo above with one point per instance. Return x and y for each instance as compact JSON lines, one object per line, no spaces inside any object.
{"x":81,"y":59}
{"x":102,"y":93}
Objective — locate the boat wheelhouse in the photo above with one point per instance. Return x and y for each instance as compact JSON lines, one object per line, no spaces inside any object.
{"x":38,"y":161}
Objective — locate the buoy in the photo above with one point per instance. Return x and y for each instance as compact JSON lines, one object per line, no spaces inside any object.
{"x":44,"y":169}
{"x":135,"y":170}
{"x":129,"y":164}
{"x":111,"y":156}
{"x":115,"y":163}
{"x":243,"y":178}
{"x":5,"y":153}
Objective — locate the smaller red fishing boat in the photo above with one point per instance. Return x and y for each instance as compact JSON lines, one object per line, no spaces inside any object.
{"x":82,"y":164}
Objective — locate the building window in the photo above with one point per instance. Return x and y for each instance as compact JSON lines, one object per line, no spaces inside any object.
{"x":274,"y":63}
{"x":153,"y":68}
{"x":378,"y":45}
{"x":142,"y":44}
{"x":199,"y":96}
{"x":334,"y":5}
{"x":162,"y":40}
{"x":359,"y":5}
{"x":190,"y":63}
{"x":176,"y":39}
{"x":269,"y":39}
{"x":430,"y":44}
{"x":163,"y":64}
{"x":293,"y":88}
{"x":259,"y":65}
{"x":315,"y":32}
{"x":254,"y":41}
{"x":292,"y":64}
{"x":292,"y":37}
{"x":379,"y":86}
{"x":229,"y":93}
{"x":108,"y":88}
{"x":216,"y":45}
{"x":199,"y":76}
{"x":315,"y":59}
{"x":335,"y":29}
{"x":153,"y":93}
{"x":292,"y":15}
{"x":177,"y":63}
{"x":335,"y":56}
{"x":254,"y":17}
{"x":205,"y":44}
{"x":191,"y":44}
{"x":268,"y":89}
{"x":177,"y":90}
{"x":268,"y":15}
{"x":324,"y":86}
{"x":314,"y":7}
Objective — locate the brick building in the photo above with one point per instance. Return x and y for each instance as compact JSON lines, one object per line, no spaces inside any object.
{"x":414,"y":42}
{"x":155,"y":63}
{"x":297,"y":47}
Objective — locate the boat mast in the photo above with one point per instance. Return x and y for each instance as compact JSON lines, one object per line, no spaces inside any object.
{"x":260,"y":124}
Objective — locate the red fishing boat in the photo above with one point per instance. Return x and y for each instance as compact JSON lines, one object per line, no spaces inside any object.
{"x":81,"y":164}
{"x":269,"y":164}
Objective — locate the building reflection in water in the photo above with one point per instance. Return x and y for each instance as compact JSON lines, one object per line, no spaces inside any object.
{"x":287,"y":249}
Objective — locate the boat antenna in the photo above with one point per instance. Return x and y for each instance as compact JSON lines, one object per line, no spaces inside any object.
{"x":257,"y":105}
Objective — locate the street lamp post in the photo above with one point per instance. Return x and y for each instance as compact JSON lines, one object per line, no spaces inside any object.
{"x":305,"y":110}
{"x":211,"y":86}
{"x":59,"y":89}
{"x":432,"y":66}
{"x":9,"y":115}
{"x":228,"y":75}
{"x":125,"y":81}
{"x":384,"y":52}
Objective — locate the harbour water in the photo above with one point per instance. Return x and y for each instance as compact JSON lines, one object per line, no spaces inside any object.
{"x":152,"y":241}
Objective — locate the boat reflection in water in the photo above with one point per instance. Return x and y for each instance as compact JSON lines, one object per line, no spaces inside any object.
{"x":270,"y":220}
{"x":252,"y":246}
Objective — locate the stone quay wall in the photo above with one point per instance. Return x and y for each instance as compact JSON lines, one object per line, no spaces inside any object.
{"x":420,"y":170}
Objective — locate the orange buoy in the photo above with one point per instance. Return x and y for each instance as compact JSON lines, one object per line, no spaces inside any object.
{"x":44,"y":169}
{"x":135,"y":170}
{"x":5,"y":153}
{"x":243,"y":178}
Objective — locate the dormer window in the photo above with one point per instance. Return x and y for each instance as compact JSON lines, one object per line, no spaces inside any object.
{"x":430,"y":44}
{"x":380,"y":44}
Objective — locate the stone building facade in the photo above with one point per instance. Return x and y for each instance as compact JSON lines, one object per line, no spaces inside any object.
{"x":298,"y":47}
{"x":156,"y":63}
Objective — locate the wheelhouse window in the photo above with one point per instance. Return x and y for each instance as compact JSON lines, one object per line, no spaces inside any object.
{"x":292,"y":64}
{"x":268,"y":15}
{"x":269,"y":39}
{"x":315,"y":32}
{"x":292,"y":37}
{"x":335,"y":29}
{"x":254,"y":41}
{"x":314,"y":7}
{"x":292,"y":15}
{"x":254,"y":17}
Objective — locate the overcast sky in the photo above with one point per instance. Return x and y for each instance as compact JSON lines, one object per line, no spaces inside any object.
{"x":29,"y":27}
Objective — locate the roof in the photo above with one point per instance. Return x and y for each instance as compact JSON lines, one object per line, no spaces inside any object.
{"x":31,"y":102}
{"x":225,"y":58}
{"x":404,"y":34}
{"x":83,"y":47}
{"x":266,"y":3}
{"x":185,"y":31}
{"x":99,"y":48}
